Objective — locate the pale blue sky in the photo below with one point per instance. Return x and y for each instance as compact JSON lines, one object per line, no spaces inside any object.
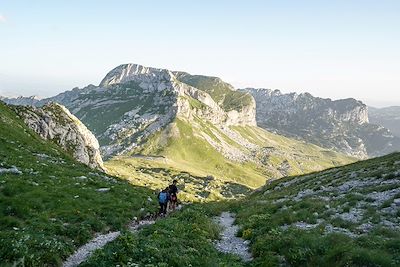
{"x":336,"y":49}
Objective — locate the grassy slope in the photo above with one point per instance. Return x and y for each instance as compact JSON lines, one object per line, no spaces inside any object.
{"x":48,"y":211}
{"x":263,"y":214}
{"x":189,"y":157}
{"x":303,"y":157}
{"x":185,"y":239}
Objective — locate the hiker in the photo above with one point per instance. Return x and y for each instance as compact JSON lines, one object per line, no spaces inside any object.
{"x":163,"y":198}
{"x":173,"y":193}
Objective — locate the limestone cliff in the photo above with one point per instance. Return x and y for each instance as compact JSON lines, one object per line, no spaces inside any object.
{"x":54,"y":122}
{"x":342,"y":125}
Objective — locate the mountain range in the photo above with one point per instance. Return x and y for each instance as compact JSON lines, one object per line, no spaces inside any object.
{"x":152,"y":124}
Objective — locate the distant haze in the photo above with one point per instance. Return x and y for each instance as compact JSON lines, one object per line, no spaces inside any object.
{"x":334,"y":49}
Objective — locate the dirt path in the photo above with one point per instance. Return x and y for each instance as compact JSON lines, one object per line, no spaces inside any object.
{"x":84,"y":252}
{"x":229,"y":242}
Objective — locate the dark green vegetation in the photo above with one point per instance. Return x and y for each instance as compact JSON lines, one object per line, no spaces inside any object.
{"x":49,"y":204}
{"x":222,"y":92}
{"x":183,"y":239}
{"x":346,"y":216}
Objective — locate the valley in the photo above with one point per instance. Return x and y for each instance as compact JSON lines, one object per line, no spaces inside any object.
{"x":199,"y":133}
{"x":296,"y":197}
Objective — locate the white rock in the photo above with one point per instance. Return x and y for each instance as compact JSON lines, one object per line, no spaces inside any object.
{"x":55,"y":122}
{"x":12,"y":170}
{"x":105,"y":189}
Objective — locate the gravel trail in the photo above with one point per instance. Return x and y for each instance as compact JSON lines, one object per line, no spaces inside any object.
{"x":84,"y":252}
{"x":229,"y":242}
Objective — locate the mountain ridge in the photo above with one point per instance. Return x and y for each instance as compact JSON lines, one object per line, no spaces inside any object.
{"x":342,"y":125}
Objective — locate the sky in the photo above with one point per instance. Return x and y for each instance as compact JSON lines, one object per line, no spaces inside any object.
{"x":336,"y":49}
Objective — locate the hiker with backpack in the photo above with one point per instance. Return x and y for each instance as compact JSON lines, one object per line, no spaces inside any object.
{"x":163,"y":198}
{"x":173,"y":193}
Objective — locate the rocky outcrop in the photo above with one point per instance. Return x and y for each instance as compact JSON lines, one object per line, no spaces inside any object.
{"x":54,"y":122}
{"x":342,"y":125}
{"x":239,"y":106}
{"x":246,"y":116}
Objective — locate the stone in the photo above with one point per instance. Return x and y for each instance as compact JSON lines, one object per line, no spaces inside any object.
{"x":105,"y":189}
{"x":12,"y":170}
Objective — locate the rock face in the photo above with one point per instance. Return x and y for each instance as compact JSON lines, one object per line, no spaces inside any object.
{"x":387,"y":117}
{"x":342,"y":125}
{"x":54,"y":122}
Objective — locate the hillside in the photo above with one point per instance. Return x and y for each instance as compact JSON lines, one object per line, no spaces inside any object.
{"x":387,"y":117}
{"x":49,"y":203}
{"x":155,"y":123}
{"x":345,"y":216}
{"x":213,"y":162}
{"x":342,"y":125}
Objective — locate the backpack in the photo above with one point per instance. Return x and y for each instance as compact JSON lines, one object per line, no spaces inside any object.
{"x":163,"y":197}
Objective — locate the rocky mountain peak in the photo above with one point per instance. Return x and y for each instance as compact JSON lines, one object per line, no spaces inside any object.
{"x":132,"y":72}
